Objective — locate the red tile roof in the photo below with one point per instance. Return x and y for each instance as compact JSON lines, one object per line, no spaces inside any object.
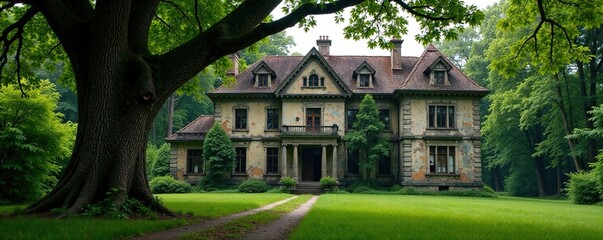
{"x":411,"y":79}
{"x":195,"y":130}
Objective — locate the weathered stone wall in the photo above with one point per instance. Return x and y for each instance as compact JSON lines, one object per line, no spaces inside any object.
{"x":329,"y":88}
{"x":178,"y":161}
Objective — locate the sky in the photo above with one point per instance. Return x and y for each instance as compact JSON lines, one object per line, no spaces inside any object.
{"x":340,"y":46}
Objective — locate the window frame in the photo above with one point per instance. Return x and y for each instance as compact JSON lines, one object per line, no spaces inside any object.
{"x":439,"y":77}
{"x":380,"y":166}
{"x":190,"y":162}
{"x":388,"y":124}
{"x":433,"y":116}
{"x":365,"y":80}
{"x":241,"y":156}
{"x":263,"y":79}
{"x":238,"y":119}
{"x":434,"y":163}
{"x":352,"y":161}
{"x":272,"y":155}
{"x":350,"y":122}
{"x":275,"y":117}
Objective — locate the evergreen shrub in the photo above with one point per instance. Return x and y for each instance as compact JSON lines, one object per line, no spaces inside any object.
{"x":167,"y":184}
{"x":253,"y":186}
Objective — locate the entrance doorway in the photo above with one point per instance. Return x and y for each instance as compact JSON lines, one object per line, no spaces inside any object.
{"x":311,"y":166}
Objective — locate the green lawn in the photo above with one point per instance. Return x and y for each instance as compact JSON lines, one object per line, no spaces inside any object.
{"x":351,"y":216}
{"x":203,"y":205}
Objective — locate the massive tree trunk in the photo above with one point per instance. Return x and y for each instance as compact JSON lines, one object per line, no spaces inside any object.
{"x":121,"y":86}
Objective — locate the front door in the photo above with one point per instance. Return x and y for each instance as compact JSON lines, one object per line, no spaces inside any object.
{"x":311,"y":160}
{"x":313,"y":119}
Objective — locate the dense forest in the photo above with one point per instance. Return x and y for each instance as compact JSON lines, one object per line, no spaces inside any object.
{"x":537,"y":122}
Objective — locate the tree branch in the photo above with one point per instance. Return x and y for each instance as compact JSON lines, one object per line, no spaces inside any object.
{"x":413,"y":11}
{"x":7,"y":41}
{"x":141,"y":16}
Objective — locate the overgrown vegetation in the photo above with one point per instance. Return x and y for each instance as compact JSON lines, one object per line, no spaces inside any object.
{"x":328,"y":182}
{"x":287,"y":182}
{"x":167,"y":184}
{"x":161,"y":164}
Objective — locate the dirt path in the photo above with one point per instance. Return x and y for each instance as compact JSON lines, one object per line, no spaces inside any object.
{"x":281,"y":228}
{"x":197,"y":227}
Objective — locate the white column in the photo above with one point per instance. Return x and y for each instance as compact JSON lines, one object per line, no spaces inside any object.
{"x":295,"y":162}
{"x":284,"y":162}
{"x":335,"y":161}
{"x":323,"y":165}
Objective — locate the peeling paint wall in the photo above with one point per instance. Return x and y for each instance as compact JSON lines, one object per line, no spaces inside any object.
{"x":333,"y":112}
{"x":256,"y":118}
{"x":463,"y":118}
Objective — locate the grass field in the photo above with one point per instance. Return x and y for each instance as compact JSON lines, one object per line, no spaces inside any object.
{"x":202,"y":205}
{"x":351,"y":216}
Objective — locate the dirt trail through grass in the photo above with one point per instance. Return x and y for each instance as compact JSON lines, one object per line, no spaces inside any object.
{"x":176,"y":232}
{"x":281,"y":228}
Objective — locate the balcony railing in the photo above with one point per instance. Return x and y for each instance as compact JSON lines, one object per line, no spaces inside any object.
{"x":309,"y":130}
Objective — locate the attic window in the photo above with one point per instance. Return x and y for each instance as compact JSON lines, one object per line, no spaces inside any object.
{"x":314,"y":81}
{"x":439,"y":77}
{"x":263,"y":80}
{"x":364,"y":80}
{"x":364,"y":75}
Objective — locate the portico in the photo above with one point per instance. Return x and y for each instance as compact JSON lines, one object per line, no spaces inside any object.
{"x":309,"y":159}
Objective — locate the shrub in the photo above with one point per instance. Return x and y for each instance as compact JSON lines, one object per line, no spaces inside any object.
{"x":328,"y":182}
{"x":219,"y":155}
{"x":488,"y":189}
{"x":288,"y":182}
{"x":167,"y":184}
{"x":253,"y":186}
{"x":396,"y":188}
{"x":582,"y":188}
{"x":161,"y":166}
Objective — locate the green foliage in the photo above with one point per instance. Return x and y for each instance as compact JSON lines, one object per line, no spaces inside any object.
{"x":328,"y":182}
{"x":219,"y":155}
{"x":151,"y":157}
{"x":254,"y":186}
{"x":274,"y":45}
{"x":288,"y":182}
{"x":582,"y":188}
{"x":34,"y":144}
{"x":488,"y":189}
{"x":367,"y":137}
{"x":167,"y":184}
{"x":161,"y":166}
{"x":107,"y":208}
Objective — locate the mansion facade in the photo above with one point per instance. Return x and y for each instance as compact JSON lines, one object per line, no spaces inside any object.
{"x":288,"y":116}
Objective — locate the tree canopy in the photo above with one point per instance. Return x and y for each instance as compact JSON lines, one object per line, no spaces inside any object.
{"x":127,"y":57}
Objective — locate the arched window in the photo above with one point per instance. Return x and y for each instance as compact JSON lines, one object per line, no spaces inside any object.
{"x":313,"y":80}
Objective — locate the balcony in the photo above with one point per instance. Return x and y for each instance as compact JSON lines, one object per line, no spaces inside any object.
{"x":288,"y":130}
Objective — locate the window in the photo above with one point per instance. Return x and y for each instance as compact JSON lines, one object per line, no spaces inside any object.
{"x":384,"y":117}
{"x":351,"y":118}
{"x":314,"y":81}
{"x":439,"y":77}
{"x":272,"y":160}
{"x":353,"y":157}
{"x":313,"y":119}
{"x":384,"y":165}
{"x":441,"y":159}
{"x":263,"y":80}
{"x":441,"y":117}
{"x":272,"y":118}
{"x":240,"y":118}
{"x":194,"y":161}
{"x":241,"y":161}
{"x":364,"y":80}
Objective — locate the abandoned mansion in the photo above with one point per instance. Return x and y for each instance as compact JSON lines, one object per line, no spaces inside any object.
{"x":288,"y":116}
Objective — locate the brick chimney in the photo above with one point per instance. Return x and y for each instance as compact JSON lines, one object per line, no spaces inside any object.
{"x":396,"y":54}
{"x":323,"y":44}
{"x":234,"y":59}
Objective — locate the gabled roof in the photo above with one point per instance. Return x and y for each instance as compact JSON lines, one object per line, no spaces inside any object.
{"x":439,"y":60}
{"x":364,"y":65}
{"x":411,"y":79}
{"x":418,"y":81}
{"x":263,"y":65}
{"x":313,"y":54}
{"x":195,"y":130}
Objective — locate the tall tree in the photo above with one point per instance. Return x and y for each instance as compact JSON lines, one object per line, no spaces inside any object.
{"x":367,"y":136}
{"x":123,"y":78}
{"x":34,"y":144}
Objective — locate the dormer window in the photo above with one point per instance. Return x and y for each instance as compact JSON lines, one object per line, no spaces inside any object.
{"x":263,"y":80}
{"x":364,"y":80}
{"x":438,"y":72}
{"x":364,"y":76}
{"x":263,"y":75}
{"x":439,"y":77}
